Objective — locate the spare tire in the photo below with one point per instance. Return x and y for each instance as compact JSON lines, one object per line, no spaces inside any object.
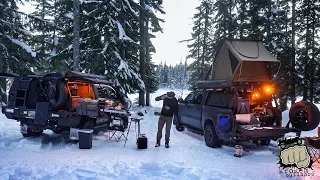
{"x":304,"y":116}
{"x":61,"y":95}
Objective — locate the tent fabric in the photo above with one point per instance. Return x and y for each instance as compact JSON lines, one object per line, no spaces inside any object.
{"x":241,"y":60}
{"x":250,"y":51}
{"x":252,"y":71}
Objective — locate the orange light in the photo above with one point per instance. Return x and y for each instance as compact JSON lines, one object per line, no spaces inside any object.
{"x":268,"y":89}
{"x":257,"y":95}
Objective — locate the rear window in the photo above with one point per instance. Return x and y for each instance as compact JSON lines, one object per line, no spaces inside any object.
{"x":220,"y":99}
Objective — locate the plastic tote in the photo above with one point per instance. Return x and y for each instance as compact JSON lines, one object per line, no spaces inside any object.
{"x":85,"y":138}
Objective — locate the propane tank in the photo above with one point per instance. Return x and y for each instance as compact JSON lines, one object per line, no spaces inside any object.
{"x":238,"y":151}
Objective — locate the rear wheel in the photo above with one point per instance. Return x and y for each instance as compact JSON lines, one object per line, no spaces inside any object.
{"x":28,"y":132}
{"x":264,"y":142}
{"x":304,"y":116}
{"x":210,"y":136}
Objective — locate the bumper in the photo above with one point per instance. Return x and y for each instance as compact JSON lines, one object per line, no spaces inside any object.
{"x":264,"y":133}
{"x":52,"y":119}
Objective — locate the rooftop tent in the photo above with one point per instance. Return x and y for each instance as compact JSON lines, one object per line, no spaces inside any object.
{"x":243,"y":61}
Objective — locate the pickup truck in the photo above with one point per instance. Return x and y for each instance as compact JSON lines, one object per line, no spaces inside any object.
{"x":222,"y":114}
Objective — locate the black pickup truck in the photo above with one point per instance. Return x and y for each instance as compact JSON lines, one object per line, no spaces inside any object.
{"x":228,"y":112}
{"x":59,"y":103}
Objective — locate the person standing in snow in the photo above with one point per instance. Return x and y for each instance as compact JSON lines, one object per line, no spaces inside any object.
{"x":169,"y":108}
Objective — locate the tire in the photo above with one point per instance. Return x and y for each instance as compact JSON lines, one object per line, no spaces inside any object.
{"x":179,"y":127}
{"x":264,"y":142}
{"x":304,"y":116}
{"x":29,"y":132}
{"x":89,"y":124}
{"x":210,"y":136}
{"x":61,"y":95}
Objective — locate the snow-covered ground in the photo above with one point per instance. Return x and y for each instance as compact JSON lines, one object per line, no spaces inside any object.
{"x":187,"y":158}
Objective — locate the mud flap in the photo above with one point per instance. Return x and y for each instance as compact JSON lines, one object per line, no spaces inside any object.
{"x":41,"y":113}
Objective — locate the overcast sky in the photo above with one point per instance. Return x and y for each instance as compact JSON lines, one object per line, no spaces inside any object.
{"x":177,"y":27}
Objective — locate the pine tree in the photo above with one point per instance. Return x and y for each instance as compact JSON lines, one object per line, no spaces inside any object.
{"x":306,"y":60}
{"x":200,"y":52}
{"x":14,"y":37}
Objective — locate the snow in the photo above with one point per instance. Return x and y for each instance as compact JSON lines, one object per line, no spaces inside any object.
{"x":2,"y":91}
{"x":133,"y":11}
{"x":105,"y":48}
{"x":24,"y":46}
{"x":148,"y":9}
{"x":69,"y":15}
{"x":69,"y":47}
{"x":187,"y":158}
{"x":55,"y":41}
{"x":122,"y":33}
{"x":89,"y":1}
{"x":275,"y":10}
{"x":53,"y":52}
{"x":25,"y":31}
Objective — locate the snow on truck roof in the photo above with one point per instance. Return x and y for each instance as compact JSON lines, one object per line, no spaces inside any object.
{"x":242,"y":61}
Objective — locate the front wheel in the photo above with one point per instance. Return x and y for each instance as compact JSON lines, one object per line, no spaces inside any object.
{"x":179,"y":126}
{"x":210,"y":136}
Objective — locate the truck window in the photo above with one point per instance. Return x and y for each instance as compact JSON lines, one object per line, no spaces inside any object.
{"x":189,"y":98}
{"x":194,"y":98}
{"x":219,"y":99}
{"x":198,"y":98}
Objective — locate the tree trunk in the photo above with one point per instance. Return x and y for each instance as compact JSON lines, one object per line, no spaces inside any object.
{"x":142,"y":52}
{"x":306,"y":56}
{"x":283,"y":104}
{"x":148,"y":61}
{"x":243,"y":8}
{"x":313,"y":66}
{"x":42,"y":24}
{"x":293,"y":54}
{"x":198,"y":51}
{"x":204,"y":45}
{"x":76,"y":35}
{"x":3,"y":83}
{"x":268,"y":28}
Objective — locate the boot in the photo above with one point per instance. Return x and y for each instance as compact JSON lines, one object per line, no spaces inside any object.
{"x":158,"y":143}
{"x":167,"y":144}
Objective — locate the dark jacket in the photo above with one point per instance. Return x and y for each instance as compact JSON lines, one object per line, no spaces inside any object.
{"x":172,"y":103}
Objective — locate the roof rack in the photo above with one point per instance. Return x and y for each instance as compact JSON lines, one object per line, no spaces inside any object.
{"x":214,"y":84}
